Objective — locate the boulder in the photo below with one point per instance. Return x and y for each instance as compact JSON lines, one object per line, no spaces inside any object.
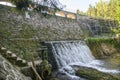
{"x":93,"y":74}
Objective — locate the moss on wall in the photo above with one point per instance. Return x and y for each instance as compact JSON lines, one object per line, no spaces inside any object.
{"x":22,"y":36}
{"x":14,"y":26}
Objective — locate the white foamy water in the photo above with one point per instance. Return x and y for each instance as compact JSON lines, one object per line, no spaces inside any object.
{"x":71,"y":52}
{"x":99,"y":65}
{"x":76,"y":53}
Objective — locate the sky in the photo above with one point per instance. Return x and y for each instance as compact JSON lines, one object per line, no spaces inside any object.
{"x":82,"y":5}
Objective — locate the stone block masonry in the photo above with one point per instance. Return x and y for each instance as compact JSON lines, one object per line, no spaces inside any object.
{"x":44,"y":28}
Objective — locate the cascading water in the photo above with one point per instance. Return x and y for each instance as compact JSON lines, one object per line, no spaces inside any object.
{"x":75,"y":53}
{"x":71,"y":52}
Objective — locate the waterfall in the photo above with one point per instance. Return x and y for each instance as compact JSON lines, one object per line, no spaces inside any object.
{"x":76,"y":53}
{"x":67,"y":53}
{"x":71,"y":52}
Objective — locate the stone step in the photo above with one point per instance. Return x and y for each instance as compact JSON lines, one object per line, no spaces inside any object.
{"x":21,"y":62}
{"x":12,"y":57}
{"x":3,"y":50}
{"x":24,"y":62}
{"x":8,"y":53}
{"x":19,"y":59}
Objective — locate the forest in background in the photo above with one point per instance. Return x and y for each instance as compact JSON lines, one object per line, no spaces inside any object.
{"x":104,"y":9}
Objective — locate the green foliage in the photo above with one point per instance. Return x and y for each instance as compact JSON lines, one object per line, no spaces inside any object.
{"x":23,"y":5}
{"x":46,"y":69}
{"x":92,"y":11}
{"x":100,"y":10}
{"x":116,"y":30}
{"x":105,"y":9}
{"x":95,"y":41}
{"x":118,"y":11}
{"x":81,"y":12}
{"x":20,"y":4}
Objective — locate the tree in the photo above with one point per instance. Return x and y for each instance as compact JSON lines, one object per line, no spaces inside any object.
{"x":118,"y":11}
{"x":89,"y":12}
{"x":116,"y":31}
{"x":80,"y":12}
{"x":21,"y":4}
{"x":24,"y":4}
{"x":105,"y":9}
{"x":111,"y":9}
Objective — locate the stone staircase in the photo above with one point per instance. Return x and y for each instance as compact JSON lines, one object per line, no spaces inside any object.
{"x":12,"y":57}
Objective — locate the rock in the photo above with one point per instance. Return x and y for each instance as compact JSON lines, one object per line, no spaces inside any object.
{"x":10,"y":72}
{"x":66,"y":73}
{"x":61,"y":75}
{"x":93,"y":74}
{"x":27,"y":71}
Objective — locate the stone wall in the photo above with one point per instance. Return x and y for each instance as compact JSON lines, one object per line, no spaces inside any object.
{"x":47,"y":27}
{"x":22,"y":35}
{"x":96,"y":26}
{"x":26,"y":33}
{"x":44,"y":27}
